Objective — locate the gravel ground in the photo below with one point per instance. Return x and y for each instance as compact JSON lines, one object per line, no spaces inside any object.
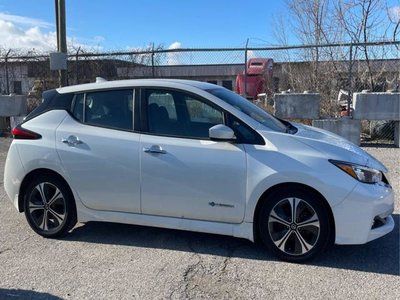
{"x":113,"y":261}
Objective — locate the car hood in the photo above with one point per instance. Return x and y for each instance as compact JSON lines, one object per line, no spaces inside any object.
{"x":335,"y":147}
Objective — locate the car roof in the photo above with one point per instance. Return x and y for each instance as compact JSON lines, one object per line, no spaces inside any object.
{"x":171,"y":83}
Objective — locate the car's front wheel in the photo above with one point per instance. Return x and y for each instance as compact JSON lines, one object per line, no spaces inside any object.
{"x":49,"y":206}
{"x":294,"y":224}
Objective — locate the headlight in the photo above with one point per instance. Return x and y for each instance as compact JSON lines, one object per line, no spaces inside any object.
{"x":361,"y":173}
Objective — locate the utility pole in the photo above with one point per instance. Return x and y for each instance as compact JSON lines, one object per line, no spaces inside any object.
{"x":61,"y":37}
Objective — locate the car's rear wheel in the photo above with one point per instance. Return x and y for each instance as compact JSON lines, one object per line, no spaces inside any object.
{"x":294,"y":224}
{"x":49,"y":206}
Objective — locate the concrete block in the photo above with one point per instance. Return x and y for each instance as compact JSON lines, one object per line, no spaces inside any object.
{"x":14,"y":105}
{"x":348,"y":128}
{"x":376,"y":106}
{"x":397,"y":134}
{"x":3,"y":125}
{"x":297,"y":106}
{"x":14,"y":121}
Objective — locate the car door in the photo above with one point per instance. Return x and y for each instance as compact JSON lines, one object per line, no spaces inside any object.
{"x":184,"y":174}
{"x":100,"y":151}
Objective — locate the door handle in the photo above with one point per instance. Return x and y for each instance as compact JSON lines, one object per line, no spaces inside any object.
{"x":72,"y":140}
{"x":155,"y":149}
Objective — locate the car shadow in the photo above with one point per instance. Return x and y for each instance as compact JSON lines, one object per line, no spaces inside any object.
{"x":379,"y":256}
{"x":7,"y":294}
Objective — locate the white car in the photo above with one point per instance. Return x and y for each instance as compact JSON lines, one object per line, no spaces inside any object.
{"x":194,"y":156}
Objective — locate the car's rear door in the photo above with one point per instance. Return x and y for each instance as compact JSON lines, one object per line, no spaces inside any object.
{"x":100,"y":151}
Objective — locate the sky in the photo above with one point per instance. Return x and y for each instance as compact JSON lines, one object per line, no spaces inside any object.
{"x":135,"y":24}
{"x":123,"y":24}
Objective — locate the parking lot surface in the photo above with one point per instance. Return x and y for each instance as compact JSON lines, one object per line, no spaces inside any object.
{"x":114,"y":261}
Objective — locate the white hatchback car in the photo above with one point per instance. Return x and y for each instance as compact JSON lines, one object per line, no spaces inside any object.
{"x":194,"y":156}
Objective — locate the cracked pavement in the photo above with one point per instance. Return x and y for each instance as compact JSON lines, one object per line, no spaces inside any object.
{"x":115,"y":261}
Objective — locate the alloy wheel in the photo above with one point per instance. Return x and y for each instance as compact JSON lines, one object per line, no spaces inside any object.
{"x":47,"y":207}
{"x":294,"y":226}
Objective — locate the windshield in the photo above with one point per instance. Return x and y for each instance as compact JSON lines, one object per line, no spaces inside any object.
{"x":249,"y":109}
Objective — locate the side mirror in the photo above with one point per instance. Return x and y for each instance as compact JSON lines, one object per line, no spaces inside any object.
{"x":221,"y":132}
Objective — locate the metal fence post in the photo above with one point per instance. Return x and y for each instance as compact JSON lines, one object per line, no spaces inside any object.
{"x":7,"y":75}
{"x":77,"y":66}
{"x":152,"y":62}
{"x":245,"y":69}
{"x":350,"y":97}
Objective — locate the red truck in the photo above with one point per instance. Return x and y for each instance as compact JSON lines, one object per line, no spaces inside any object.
{"x":259,"y":75}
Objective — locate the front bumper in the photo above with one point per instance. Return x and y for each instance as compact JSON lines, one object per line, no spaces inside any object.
{"x":364,"y":215}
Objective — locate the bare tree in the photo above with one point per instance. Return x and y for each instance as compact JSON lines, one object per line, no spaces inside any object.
{"x":394,"y":17}
{"x":328,"y":69}
{"x":309,"y":19}
{"x":363,"y":22}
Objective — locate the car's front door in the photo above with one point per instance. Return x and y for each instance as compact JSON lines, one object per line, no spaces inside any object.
{"x":183,"y":173}
{"x":100,"y":152}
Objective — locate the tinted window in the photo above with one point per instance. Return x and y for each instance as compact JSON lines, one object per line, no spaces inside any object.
{"x":78,"y":107}
{"x":249,"y":109}
{"x":180,"y":114}
{"x":107,"y":109}
{"x":164,"y":99}
{"x":200,"y":112}
{"x":243,"y":133}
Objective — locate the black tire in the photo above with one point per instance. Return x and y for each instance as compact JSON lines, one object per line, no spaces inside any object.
{"x":295,"y":240}
{"x":54,"y":216}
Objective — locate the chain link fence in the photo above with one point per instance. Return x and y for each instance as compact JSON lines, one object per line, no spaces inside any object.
{"x":336,"y":71}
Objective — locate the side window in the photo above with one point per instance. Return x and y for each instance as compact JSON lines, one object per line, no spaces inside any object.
{"x":179,"y":114}
{"x":243,"y":132}
{"x":112,"y":109}
{"x":78,"y":107}
{"x":200,"y":112}
{"x":163,"y":99}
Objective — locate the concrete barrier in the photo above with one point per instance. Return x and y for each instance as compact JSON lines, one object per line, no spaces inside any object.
{"x":13,"y":105}
{"x":297,"y":106}
{"x":379,"y":106}
{"x":348,"y":128}
{"x":14,"y":121}
{"x":376,"y":106}
{"x":3,"y":125}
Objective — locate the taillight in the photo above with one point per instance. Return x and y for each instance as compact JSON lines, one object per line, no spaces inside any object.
{"x":25,"y":134}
